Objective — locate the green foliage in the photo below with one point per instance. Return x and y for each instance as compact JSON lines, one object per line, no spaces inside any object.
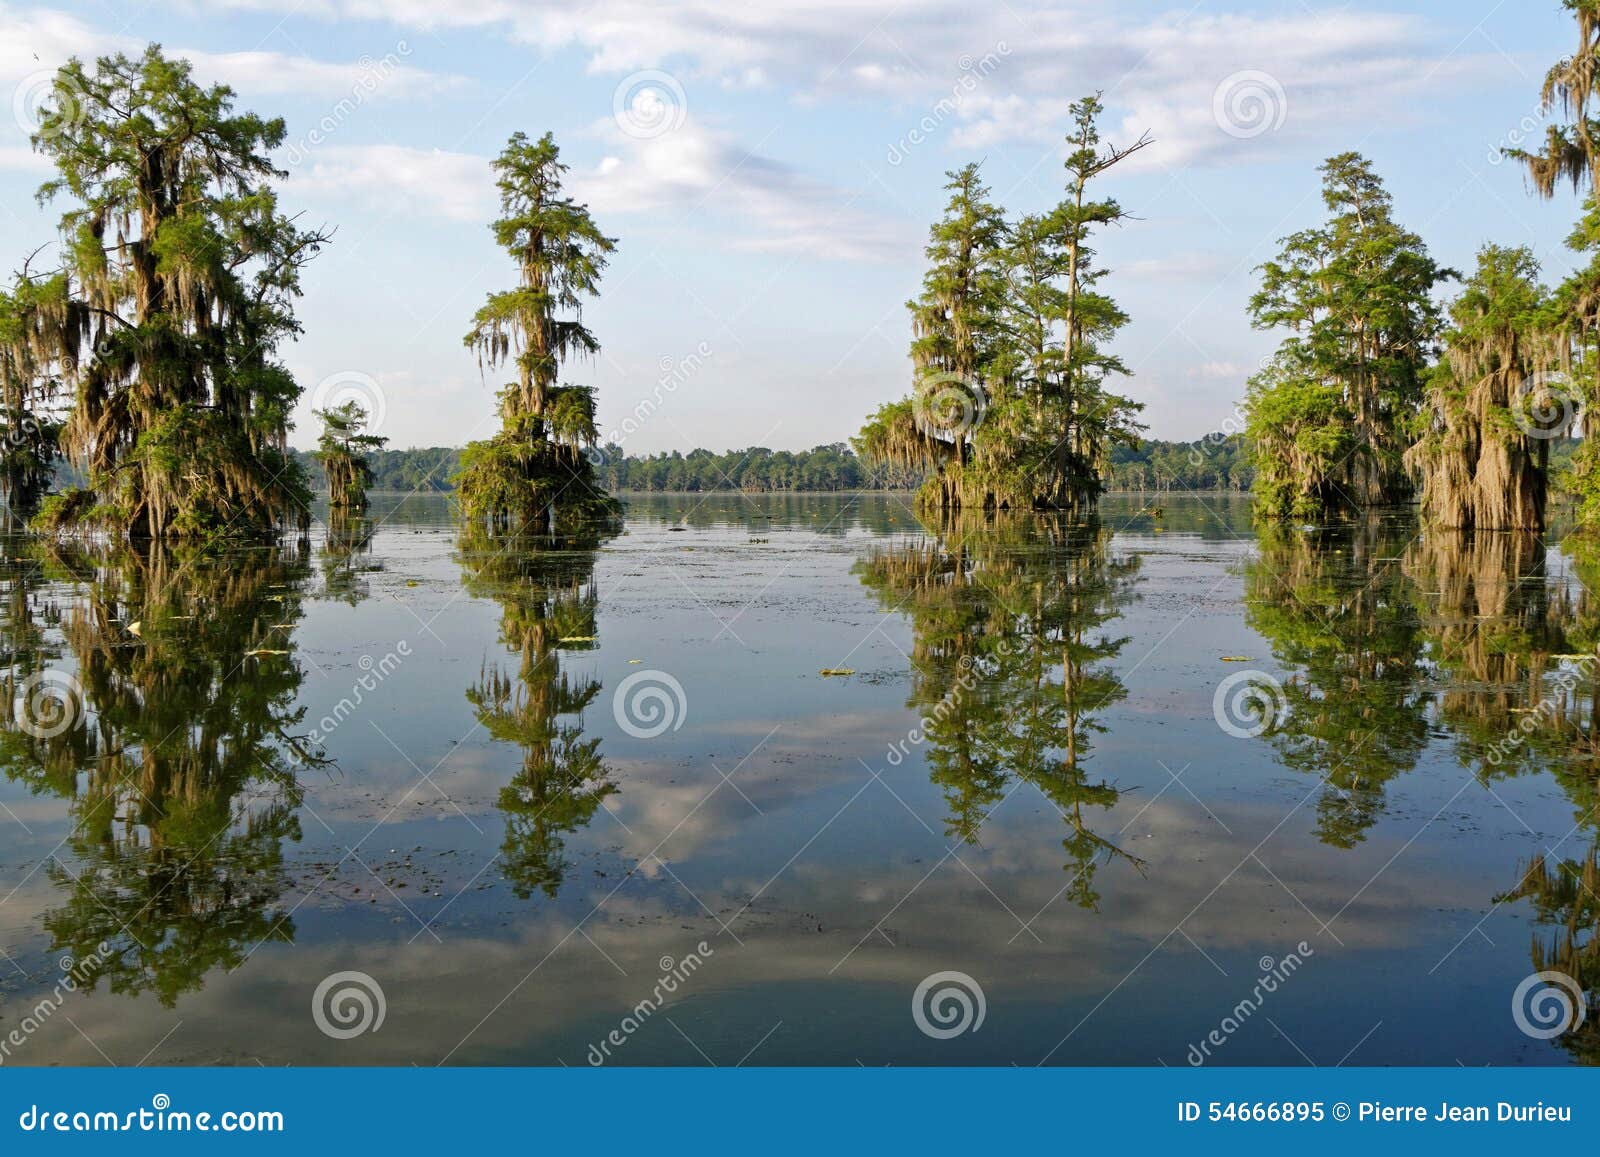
{"x":161,"y":342}
{"x":34,"y":317}
{"x":549,"y":602}
{"x":343,"y":450}
{"x":175,"y":753}
{"x":1217,"y":462}
{"x":1495,"y":402}
{"x":1010,"y":404}
{"x":1011,"y":666}
{"x":1332,"y":414}
{"x":536,"y":469}
{"x":756,"y":470}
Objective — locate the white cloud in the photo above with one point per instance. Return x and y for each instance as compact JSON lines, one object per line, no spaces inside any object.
{"x":38,"y":40}
{"x":1341,"y":68}
{"x":425,"y":182}
{"x":694,"y":168}
{"x":688,"y":173}
{"x":1185,"y":266}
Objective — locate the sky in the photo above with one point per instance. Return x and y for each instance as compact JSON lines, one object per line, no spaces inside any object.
{"x":770,"y":170}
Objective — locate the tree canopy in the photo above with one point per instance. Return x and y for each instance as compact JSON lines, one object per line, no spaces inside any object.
{"x":157,"y":335}
{"x":537,"y":463}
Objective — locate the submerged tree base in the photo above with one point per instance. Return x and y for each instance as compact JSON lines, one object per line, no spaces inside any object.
{"x":520,"y":486}
{"x":198,"y":488}
{"x":81,"y":512}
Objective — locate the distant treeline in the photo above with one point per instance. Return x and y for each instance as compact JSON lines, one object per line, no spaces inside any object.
{"x":1214,"y":463}
{"x":1217,"y":462}
{"x":427,"y":468}
{"x":757,"y":469}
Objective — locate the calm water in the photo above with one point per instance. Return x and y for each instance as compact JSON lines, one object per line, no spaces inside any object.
{"x":517,"y":787}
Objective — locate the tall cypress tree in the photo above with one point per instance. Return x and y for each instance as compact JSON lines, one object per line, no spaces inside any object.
{"x":177,"y":283}
{"x":1571,"y":156}
{"x":1331,"y":417}
{"x":1010,"y":406}
{"x":1482,"y":457}
{"x":537,"y":463}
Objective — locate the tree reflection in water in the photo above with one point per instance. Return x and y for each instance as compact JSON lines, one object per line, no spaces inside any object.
{"x":1336,"y":607}
{"x":548,"y":597}
{"x":178,"y":753}
{"x":1010,"y":665}
{"x":1396,"y":634}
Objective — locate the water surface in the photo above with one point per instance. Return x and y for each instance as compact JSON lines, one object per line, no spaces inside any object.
{"x":516,"y":784}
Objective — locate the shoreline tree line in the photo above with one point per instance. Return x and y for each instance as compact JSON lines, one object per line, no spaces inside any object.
{"x":1216,"y":463}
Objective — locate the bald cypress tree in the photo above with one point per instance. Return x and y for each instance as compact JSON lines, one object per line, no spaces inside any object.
{"x":1483,"y":457}
{"x":537,"y":464}
{"x":954,"y":326}
{"x":1010,"y":403}
{"x":1331,"y":418}
{"x":1570,"y":156}
{"x":177,"y":284}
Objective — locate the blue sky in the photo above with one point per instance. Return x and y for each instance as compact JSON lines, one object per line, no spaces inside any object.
{"x":770,"y":170}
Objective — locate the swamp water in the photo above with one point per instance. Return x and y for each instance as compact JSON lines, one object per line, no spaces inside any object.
{"x":1152,"y":793}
